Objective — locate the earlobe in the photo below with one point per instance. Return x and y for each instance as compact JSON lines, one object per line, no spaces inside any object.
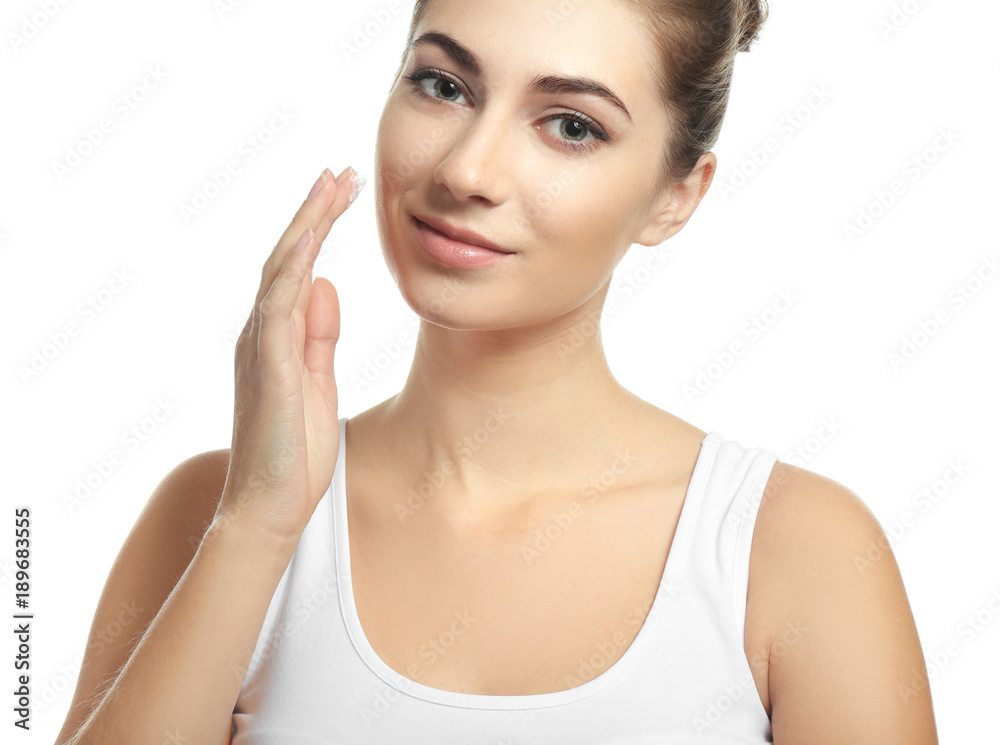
{"x":667,"y":217}
{"x":678,"y":203}
{"x":658,"y":229}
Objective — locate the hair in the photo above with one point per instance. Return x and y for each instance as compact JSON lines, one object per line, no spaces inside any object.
{"x":695,"y":43}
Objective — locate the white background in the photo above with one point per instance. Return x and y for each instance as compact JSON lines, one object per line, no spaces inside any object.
{"x":818,"y":388}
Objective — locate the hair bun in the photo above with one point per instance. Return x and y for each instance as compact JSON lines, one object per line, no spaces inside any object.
{"x":753,"y":13}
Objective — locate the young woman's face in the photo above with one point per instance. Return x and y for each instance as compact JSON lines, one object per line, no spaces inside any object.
{"x":564,"y":179}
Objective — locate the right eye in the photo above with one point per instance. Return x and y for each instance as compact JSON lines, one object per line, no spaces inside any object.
{"x":450,"y":86}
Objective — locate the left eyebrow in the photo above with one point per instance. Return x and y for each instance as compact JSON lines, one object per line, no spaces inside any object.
{"x":551,"y":84}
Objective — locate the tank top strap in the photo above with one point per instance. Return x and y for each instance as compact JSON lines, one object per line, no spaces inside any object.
{"x":756,"y":465}
{"x":722,"y":532}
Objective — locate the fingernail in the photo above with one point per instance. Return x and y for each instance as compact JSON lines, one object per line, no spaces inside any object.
{"x":303,"y":239}
{"x":344,"y":174}
{"x":359,"y":184}
{"x":319,"y":182}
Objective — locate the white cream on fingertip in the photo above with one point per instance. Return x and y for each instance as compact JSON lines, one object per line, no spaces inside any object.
{"x":359,"y":184}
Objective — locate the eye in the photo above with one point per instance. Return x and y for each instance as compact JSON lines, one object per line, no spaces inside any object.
{"x":448,"y":88}
{"x":418,"y":77}
{"x":582,"y":122}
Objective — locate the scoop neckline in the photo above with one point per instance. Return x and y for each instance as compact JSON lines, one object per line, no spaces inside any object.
{"x":676,"y":557}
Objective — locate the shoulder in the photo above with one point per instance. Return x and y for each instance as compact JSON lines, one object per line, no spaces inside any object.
{"x":209,"y":462}
{"x":213,"y":464}
{"x":193,"y":478}
{"x":811,"y":531}
{"x":842,"y":642}
{"x":183,"y":504}
{"x":807,"y":522}
{"x":796,"y":499}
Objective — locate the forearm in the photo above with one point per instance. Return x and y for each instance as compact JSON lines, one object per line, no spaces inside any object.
{"x":184,"y":676}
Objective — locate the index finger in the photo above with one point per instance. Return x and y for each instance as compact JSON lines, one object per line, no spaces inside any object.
{"x":319,"y":211}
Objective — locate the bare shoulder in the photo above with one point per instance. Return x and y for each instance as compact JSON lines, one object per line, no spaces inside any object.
{"x":196,"y":485}
{"x":152,"y":558}
{"x":845,"y":662}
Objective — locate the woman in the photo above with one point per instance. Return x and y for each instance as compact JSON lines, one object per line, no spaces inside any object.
{"x":520,"y":551}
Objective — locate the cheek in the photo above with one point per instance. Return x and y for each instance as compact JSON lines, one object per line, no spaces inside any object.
{"x":575,"y":217}
{"x":579,"y":229}
{"x":399,"y":157}
{"x":400,"y":164}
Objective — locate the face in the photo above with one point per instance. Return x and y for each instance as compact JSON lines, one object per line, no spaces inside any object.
{"x":564,"y":179}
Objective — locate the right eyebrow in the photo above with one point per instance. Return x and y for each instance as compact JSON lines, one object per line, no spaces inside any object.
{"x":459,"y":54}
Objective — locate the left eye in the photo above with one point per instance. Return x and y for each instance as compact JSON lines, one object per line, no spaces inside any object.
{"x":575,"y":124}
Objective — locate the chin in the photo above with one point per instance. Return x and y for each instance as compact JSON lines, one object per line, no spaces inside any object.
{"x":437,"y":298}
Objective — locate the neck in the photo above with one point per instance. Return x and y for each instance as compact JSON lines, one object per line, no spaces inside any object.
{"x":499,"y":416}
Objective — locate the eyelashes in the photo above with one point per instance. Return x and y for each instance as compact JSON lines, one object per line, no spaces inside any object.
{"x":588,"y":124}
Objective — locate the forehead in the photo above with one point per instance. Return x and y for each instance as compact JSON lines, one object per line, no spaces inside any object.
{"x":518,"y":39}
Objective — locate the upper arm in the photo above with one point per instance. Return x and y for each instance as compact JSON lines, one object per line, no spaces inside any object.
{"x":153,"y":557}
{"x":845,"y":661}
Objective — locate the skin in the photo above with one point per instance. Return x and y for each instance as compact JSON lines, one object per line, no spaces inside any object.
{"x":497,"y":340}
{"x":493,"y":337}
{"x":830,"y":637}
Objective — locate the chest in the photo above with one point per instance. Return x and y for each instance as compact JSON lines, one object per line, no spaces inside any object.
{"x":541,"y":608}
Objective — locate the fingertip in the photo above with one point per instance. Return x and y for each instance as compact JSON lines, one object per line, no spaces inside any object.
{"x":359,"y":184}
{"x":320,"y":183}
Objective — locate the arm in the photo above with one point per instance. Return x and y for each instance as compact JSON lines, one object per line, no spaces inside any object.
{"x":182,"y":681}
{"x":183,"y":678}
{"x":856,"y":674}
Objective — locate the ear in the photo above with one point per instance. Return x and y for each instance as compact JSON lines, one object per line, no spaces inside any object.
{"x":673,"y":209}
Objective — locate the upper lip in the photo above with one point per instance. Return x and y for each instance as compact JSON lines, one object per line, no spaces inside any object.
{"x":460,"y":234}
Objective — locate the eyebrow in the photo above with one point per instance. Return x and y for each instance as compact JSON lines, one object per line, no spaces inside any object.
{"x":552,"y":84}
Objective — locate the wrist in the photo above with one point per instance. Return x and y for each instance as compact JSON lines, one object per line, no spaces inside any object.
{"x":232,"y":528}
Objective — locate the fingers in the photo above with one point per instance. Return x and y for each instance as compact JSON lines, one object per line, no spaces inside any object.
{"x":282,"y":330}
{"x":318,"y":212}
{"x":326,"y":202}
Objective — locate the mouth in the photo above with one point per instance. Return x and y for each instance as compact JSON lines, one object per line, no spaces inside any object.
{"x":463,"y":236}
{"x":454,"y":251}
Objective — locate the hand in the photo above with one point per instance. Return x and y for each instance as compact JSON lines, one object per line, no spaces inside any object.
{"x":286,"y":432}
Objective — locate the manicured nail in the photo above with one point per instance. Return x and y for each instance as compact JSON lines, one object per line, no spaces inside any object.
{"x":323,"y":177}
{"x":303,"y":239}
{"x":344,"y":174}
{"x":359,"y":184}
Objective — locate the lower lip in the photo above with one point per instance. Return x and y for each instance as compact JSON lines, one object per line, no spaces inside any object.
{"x":455,"y":253}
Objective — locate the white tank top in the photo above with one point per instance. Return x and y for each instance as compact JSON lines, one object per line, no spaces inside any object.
{"x":314,"y":679}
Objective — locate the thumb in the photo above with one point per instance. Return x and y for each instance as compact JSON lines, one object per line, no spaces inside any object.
{"x":322,"y":331}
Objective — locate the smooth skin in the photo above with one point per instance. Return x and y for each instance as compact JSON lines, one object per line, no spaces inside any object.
{"x":176,"y":675}
{"x":491,"y":339}
{"x":494,"y":158}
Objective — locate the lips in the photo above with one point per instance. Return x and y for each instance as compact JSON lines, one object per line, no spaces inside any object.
{"x":460,"y":234}
{"x":455,"y":253}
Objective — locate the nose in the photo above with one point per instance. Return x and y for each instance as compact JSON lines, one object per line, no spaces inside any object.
{"x":477,"y":158}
